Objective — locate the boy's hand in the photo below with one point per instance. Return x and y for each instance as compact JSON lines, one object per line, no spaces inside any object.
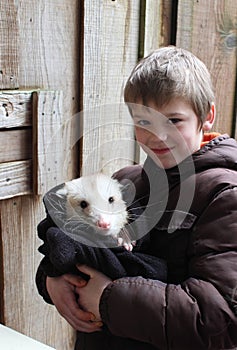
{"x":62,"y":291}
{"x":90,"y":293}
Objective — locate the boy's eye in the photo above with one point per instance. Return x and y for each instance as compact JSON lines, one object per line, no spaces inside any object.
{"x":174,"y":120}
{"x":142,"y":122}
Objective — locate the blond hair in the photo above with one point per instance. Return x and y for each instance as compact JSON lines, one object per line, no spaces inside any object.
{"x":171,"y":72}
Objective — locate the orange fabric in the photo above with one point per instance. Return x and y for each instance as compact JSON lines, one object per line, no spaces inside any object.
{"x":208,"y":137}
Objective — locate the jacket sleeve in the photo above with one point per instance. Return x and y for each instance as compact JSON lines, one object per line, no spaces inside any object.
{"x":41,"y":281}
{"x":45,"y":267}
{"x":199,"y":313}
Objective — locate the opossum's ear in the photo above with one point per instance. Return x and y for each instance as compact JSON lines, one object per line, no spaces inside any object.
{"x":62,"y":191}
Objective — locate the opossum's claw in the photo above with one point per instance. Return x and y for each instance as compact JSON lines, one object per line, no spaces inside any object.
{"x":127,"y":245}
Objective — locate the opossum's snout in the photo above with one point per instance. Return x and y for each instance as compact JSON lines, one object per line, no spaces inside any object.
{"x":110,"y":224}
{"x":103,"y":223}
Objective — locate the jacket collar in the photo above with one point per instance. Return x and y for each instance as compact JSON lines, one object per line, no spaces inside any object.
{"x":210,"y":155}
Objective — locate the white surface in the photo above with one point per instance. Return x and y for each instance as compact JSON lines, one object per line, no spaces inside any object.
{"x":12,"y":340}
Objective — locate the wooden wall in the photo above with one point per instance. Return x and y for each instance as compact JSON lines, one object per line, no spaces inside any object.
{"x":111,"y":38}
{"x":83,"y":51}
{"x":209,"y":30}
{"x":39,"y":51}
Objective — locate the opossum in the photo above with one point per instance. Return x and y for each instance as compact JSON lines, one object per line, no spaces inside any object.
{"x":96,"y":200}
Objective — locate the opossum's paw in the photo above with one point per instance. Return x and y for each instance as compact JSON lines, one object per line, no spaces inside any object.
{"x":128,"y":245}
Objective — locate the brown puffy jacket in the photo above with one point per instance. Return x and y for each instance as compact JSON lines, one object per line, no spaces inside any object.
{"x":193,"y":214}
{"x":197,"y":308}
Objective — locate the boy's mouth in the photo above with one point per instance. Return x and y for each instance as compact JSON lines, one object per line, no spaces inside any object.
{"x":160,"y":151}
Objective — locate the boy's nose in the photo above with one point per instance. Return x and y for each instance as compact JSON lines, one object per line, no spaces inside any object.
{"x":159,"y":134}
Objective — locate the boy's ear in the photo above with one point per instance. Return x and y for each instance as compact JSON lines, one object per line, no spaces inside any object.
{"x":208,"y":123}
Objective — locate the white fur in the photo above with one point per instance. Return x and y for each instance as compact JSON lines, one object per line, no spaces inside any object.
{"x":106,"y":209}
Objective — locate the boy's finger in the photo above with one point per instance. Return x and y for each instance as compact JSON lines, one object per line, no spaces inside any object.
{"x":75,"y":280}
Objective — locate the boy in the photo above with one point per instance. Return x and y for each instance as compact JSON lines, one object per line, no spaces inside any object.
{"x":170,"y":99}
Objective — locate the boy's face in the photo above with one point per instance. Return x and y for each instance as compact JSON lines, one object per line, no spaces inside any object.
{"x":168,"y":134}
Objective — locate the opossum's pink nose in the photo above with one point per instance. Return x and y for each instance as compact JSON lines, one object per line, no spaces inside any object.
{"x":102,"y":223}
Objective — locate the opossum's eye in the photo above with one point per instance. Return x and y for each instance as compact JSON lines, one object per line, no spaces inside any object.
{"x":83,"y":204}
{"x":111,"y":199}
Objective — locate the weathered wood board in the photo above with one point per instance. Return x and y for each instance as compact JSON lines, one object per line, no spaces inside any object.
{"x":42,"y":129}
{"x":22,"y":307}
{"x":209,"y":30}
{"x":15,"y":145}
{"x":156,"y":33}
{"x":9,"y":34}
{"x":51,"y":157}
{"x":158,"y":16}
{"x":109,"y":54}
{"x":15,"y":108}
{"x":39,"y":49}
{"x":15,"y":178}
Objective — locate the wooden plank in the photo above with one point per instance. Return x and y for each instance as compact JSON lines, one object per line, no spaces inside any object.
{"x":110,"y":51}
{"x":157,"y":33}
{"x":51,"y":155}
{"x":208,"y":29}
{"x":1,"y":275}
{"x":157,"y":24}
{"x":48,"y":59}
{"x":15,"y":179}
{"x":9,"y":213}
{"x":15,"y":108}
{"x":234,"y":131}
{"x":15,"y":145}
{"x":21,"y":259}
{"x":9,"y":60}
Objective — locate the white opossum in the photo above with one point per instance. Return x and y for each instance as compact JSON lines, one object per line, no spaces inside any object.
{"x":97,"y":201}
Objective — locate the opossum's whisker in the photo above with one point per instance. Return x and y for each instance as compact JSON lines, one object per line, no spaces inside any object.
{"x":142,"y":207}
{"x":56,"y":205}
{"x":139,"y":199}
